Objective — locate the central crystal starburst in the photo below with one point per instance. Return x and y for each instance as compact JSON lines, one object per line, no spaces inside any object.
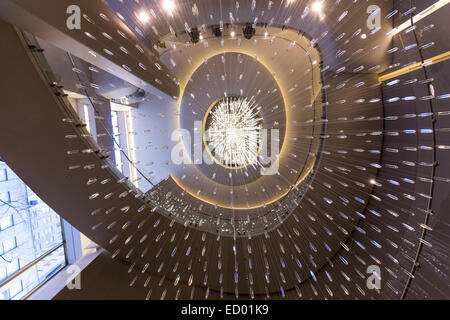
{"x":233,"y":131}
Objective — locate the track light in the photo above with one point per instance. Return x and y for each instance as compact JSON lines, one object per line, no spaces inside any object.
{"x":249,"y":31}
{"x":195,"y":35}
{"x":217,"y":31}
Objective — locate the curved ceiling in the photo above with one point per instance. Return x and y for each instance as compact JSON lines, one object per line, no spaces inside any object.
{"x":358,"y":151}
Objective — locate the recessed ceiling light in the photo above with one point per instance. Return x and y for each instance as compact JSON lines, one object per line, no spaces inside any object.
{"x":363,"y":36}
{"x":143,"y":16}
{"x":266,"y":34}
{"x":315,"y":62}
{"x":233,"y":33}
{"x":169,"y":6}
{"x":317,"y":6}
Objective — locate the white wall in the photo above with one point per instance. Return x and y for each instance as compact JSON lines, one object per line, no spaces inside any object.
{"x":154,"y":122}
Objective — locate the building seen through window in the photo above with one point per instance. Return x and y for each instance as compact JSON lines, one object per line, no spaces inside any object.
{"x":31,"y":241}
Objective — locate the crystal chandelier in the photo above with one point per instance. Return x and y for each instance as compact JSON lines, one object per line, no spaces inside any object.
{"x":234,"y":132}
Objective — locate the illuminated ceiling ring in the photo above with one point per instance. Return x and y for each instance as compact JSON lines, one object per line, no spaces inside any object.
{"x":283,"y":92}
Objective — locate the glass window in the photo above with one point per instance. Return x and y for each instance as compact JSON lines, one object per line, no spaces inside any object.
{"x":3,"y":175}
{"x":31,"y":242}
{"x":6,"y":222}
{"x":116,"y":135}
{"x":4,"y":295}
{"x":9,"y":244}
{"x":5,"y":197}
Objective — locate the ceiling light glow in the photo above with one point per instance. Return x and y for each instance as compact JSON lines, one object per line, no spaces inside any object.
{"x":317,"y":6}
{"x":143,"y":16}
{"x":169,"y":6}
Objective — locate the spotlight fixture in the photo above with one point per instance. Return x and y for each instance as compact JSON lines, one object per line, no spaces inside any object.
{"x":195,"y":35}
{"x":217,"y":31}
{"x":317,"y":6}
{"x":143,"y":16}
{"x":249,"y":31}
{"x":169,"y":6}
